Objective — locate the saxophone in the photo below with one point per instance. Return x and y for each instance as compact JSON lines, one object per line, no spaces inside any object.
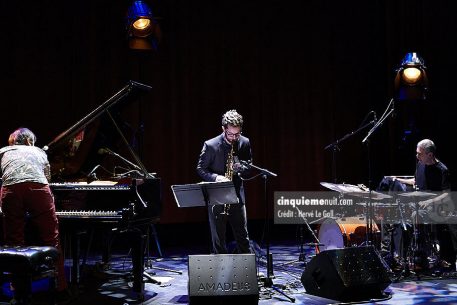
{"x":229,"y":175}
{"x":229,"y":165}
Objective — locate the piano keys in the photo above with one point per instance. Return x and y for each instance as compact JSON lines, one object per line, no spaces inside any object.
{"x":60,"y":190}
{"x":110,"y":215}
{"x":123,"y":201}
{"x":84,"y":186}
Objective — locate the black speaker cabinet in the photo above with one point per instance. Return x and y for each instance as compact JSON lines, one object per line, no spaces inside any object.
{"x":349,"y":274}
{"x":223,"y":279}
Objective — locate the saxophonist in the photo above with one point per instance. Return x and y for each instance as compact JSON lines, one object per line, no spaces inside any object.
{"x":219,"y":161}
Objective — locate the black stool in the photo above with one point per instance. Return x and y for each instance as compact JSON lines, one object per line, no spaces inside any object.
{"x":23,"y":265}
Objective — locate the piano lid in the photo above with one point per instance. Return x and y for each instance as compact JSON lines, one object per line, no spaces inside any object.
{"x":77,"y":150}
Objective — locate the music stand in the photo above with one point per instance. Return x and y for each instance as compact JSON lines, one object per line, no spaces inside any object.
{"x":205,"y":194}
{"x":188,"y":195}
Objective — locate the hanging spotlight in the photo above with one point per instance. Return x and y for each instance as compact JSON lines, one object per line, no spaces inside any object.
{"x":411,"y":81}
{"x":143,"y":30}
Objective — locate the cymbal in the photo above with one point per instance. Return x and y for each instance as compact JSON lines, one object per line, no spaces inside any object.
{"x":379,"y":204}
{"x":402,"y":177}
{"x":374,"y":195}
{"x":417,"y":194}
{"x":341,"y":188}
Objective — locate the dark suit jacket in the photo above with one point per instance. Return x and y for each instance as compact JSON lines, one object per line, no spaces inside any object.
{"x":213,"y":158}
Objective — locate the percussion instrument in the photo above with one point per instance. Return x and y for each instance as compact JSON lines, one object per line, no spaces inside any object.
{"x":343,"y":232}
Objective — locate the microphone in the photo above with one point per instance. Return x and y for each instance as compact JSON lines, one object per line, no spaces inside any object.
{"x":264,"y":171}
{"x":92,"y":172}
{"x":103,"y":151}
{"x":244,"y":162}
{"x":91,"y":176}
{"x":238,"y":166}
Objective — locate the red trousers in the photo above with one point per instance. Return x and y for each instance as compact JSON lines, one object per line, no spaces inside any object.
{"x":37,"y":202}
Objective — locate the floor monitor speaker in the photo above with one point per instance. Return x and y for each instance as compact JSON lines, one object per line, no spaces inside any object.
{"x":223,"y":279}
{"x":348,"y":274}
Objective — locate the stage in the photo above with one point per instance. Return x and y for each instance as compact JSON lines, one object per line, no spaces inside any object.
{"x":103,"y":285}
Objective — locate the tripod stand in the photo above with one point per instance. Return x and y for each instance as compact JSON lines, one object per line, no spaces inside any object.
{"x":316,"y":244}
{"x":268,"y":281}
{"x":301,"y":256}
{"x":151,"y":230}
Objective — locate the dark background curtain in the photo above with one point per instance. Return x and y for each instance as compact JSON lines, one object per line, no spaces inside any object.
{"x":303,"y":74}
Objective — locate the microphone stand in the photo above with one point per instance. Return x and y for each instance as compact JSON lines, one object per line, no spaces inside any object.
{"x":109,"y":151}
{"x":334,"y":146}
{"x":370,"y":208}
{"x":140,"y":165}
{"x":268,"y":282}
{"x":386,"y":114}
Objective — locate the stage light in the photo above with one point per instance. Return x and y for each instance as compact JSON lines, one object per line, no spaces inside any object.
{"x":143,"y":30}
{"x":411,"y":81}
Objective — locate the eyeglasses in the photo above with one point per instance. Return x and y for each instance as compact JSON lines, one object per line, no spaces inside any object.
{"x":235,"y":135}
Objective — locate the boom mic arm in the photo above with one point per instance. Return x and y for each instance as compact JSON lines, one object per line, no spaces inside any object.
{"x":108,"y":151}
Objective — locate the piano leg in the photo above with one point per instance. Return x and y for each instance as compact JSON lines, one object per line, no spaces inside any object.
{"x":75,"y":255}
{"x":137,"y":244}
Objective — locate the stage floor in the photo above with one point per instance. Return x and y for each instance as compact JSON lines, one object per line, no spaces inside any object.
{"x":112,"y":286}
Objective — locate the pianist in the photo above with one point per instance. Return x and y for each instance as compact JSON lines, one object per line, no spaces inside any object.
{"x":25,"y":191}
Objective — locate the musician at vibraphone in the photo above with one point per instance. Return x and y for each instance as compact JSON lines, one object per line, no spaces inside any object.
{"x":432,"y":175}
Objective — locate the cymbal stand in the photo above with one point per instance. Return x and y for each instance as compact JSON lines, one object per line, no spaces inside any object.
{"x":376,"y":125}
{"x":369,"y":216}
{"x":334,"y":146}
{"x":370,"y":208}
{"x":406,"y":270}
{"x":402,"y":217}
{"x":415,"y":242}
{"x":414,"y":245}
{"x":301,"y":256}
{"x":316,"y":244}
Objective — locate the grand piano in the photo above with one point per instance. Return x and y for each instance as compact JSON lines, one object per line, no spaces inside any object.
{"x":95,"y":187}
